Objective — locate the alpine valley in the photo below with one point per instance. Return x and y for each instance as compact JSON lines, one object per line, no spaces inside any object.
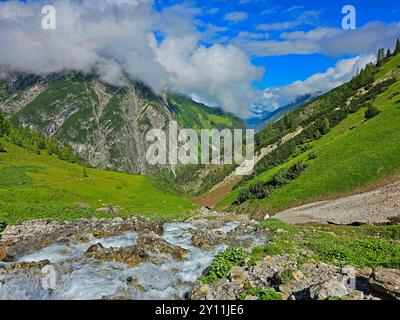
{"x":321,"y":208}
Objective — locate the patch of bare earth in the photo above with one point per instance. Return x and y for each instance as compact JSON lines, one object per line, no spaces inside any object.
{"x":380,"y":206}
{"x":222,"y":189}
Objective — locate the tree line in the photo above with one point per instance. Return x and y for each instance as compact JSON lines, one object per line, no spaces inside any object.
{"x":34,"y":141}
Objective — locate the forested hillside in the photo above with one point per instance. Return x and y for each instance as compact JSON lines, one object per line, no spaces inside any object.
{"x":349,"y":141}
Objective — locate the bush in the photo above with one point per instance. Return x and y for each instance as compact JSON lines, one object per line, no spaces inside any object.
{"x":2,"y":148}
{"x":4,"y":125}
{"x":223,"y":263}
{"x":268,"y":294}
{"x":371,"y":112}
{"x":261,"y":190}
{"x":3,"y":225}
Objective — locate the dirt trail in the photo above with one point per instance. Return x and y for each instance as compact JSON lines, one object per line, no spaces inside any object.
{"x":380,"y":206}
{"x":222,"y":189}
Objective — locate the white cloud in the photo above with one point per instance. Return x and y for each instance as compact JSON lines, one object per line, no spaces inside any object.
{"x":113,"y":37}
{"x":236,"y":16}
{"x":329,"y":41}
{"x":343,"y":71}
{"x":216,"y":74}
{"x":367,"y":39}
{"x":312,"y":35}
{"x":306,"y":18}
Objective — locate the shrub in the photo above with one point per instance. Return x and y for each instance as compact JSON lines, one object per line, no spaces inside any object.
{"x":3,"y":225}
{"x":371,"y":112}
{"x":261,"y":190}
{"x":84,"y":173}
{"x":268,"y":294}
{"x":223,"y":263}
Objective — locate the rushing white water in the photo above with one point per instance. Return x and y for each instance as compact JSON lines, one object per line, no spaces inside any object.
{"x":81,"y":278}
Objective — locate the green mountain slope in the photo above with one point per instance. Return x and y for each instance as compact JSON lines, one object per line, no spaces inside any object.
{"x":36,"y":186}
{"x":106,"y":125}
{"x":194,"y":115}
{"x":341,"y":150}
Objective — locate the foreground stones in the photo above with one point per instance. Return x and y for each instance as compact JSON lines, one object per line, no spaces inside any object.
{"x":387,"y":281}
{"x":283,"y":273}
{"x":312,"y":280}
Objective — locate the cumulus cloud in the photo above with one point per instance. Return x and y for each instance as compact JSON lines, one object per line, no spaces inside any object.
{"x":329,"y":41}
{"x":204,"y":71}
{"x":236,"y":16}
{"x":343,"y":71}
{"x":119,"y":37}
{"x":369,"y":38}
{"x":306,"y":18}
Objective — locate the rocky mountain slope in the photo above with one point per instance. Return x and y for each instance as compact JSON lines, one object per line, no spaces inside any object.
{"x":106,"y":125}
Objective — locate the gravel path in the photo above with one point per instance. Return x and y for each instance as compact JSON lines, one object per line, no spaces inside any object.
{"x":380,"y":206}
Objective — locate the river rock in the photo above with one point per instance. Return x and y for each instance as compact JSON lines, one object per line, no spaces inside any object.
{"x":331,"y":288}
{"x":3,"y":253}
{"x":354,"y":295}
{"x":237,"y":275}
{"x":130,"y":255}
{"x":387,"y":281}
{"x":109,"y":209}
{"x":154,"y":243}
{"x":349,"y":270}
{"x":204,"y":289}
{"x":364,"y":273}
{"x":98,"y":247}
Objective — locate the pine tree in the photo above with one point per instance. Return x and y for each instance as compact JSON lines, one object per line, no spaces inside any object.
{"x":371,"y":112}
{"x":4,"y":125}
{"x":397,"y":50}
{"x":325,"y":126}
{"x":388,"y":54}
{"x":380,"y":57}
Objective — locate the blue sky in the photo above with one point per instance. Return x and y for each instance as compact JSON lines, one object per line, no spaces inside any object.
{"x":285,"y":69}
{"x":245,"y":56}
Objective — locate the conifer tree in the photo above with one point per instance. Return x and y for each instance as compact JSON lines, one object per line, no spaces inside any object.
{"x":397,"y":50}
{"x":380,"y":57}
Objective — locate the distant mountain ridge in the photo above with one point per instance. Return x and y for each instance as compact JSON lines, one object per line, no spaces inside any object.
{"x":261,"y":122}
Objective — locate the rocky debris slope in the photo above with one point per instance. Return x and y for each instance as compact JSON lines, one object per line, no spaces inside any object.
{"x":381,"y":206}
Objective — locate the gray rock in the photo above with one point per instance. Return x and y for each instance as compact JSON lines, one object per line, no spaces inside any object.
{"x":331,"y":288}
{"x":98,"y":247}
{"x":237,"y":275}
{"x":387,"y":281}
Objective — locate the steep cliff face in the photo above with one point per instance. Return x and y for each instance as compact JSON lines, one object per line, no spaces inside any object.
{"x":106,"y":125}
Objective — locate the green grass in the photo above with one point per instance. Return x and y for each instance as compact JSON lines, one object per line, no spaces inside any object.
{"x":41,"y":186}
{"x":223,"y":263}
{"x":353,"y":155}
{"x":392,"y":64}
{"x":366,"y":246}
{"x":197,"y":116}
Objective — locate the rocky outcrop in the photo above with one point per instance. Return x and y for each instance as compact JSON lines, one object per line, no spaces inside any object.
{"x":387,"y":281}
{"x":131,"y":255}
{"x":154,"y":243}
